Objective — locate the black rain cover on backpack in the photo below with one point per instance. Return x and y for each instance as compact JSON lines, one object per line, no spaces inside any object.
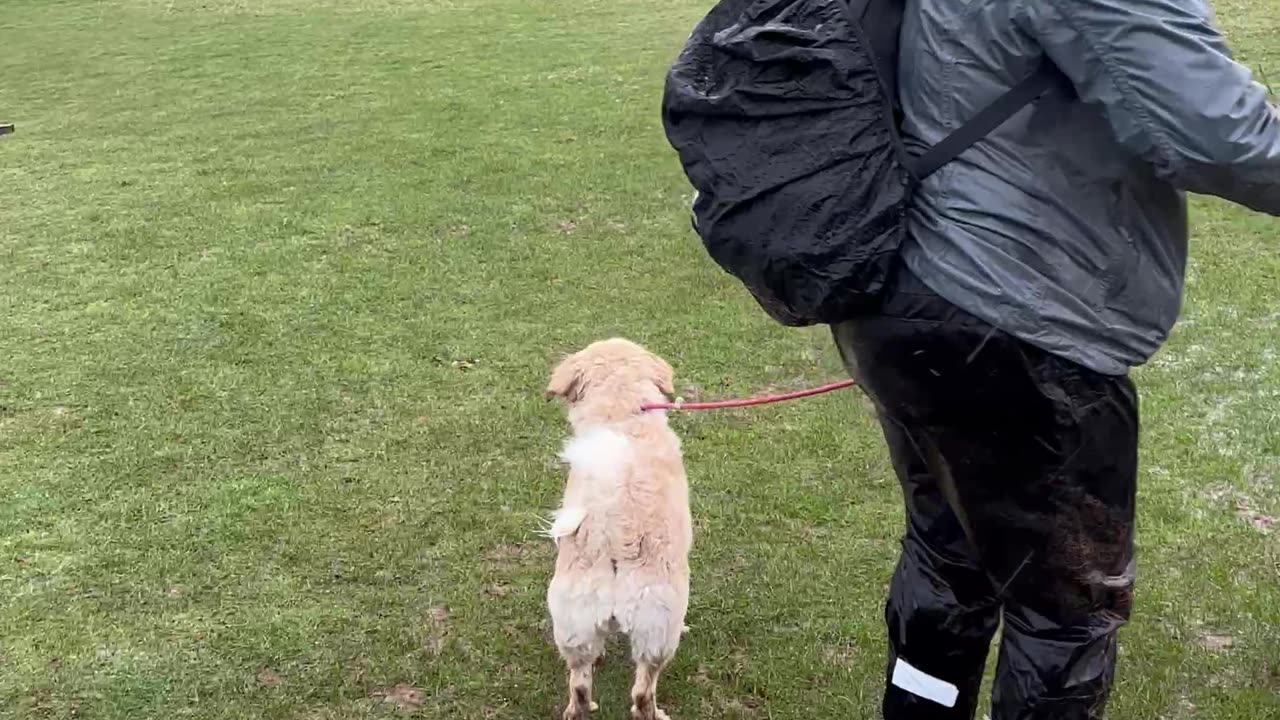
{"x":786,"y":128}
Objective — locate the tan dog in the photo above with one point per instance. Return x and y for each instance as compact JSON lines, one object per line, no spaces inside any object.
{"x":623,"y":530}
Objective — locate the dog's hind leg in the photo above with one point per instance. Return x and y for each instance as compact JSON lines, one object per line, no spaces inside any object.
{"x":644,"y":700}
{"x":657,"y":622}
{"x":581,"y":660}
{"x":579,"y":622}
{"x":652,"y":651}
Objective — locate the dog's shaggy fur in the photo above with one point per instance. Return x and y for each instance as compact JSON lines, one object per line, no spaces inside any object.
{"x":623,"y":531}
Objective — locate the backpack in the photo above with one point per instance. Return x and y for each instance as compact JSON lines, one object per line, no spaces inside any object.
{"x":785,"y":114}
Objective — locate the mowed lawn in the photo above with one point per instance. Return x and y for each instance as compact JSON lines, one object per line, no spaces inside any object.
{"x":280,"y":285}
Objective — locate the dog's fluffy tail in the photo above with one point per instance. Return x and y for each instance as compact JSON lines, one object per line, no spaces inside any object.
{"x":565,"y":522}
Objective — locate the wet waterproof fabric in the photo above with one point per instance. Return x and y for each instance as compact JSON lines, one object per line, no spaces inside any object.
{"x":1067,"y":226}
{"x":783,"y":113}
{"x":780,"y":121}
{"x":1018,"y":470}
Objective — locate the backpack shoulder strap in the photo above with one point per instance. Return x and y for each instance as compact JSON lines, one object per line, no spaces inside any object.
{"x":1030,"y":88}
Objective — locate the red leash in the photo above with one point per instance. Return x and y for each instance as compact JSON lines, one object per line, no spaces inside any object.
{"x":747,"y":402}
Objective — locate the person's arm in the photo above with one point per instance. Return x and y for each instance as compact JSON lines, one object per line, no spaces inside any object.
{"x":1170,"y":90}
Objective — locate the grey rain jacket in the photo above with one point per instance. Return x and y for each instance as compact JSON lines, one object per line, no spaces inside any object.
{"x":1067,"y":227}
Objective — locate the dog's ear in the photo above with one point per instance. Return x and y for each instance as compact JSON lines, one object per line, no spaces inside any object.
{"x":566,"y":380}
{"x":662,"y":375}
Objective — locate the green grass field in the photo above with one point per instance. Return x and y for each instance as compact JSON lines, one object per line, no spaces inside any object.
{"x":280,"y":284}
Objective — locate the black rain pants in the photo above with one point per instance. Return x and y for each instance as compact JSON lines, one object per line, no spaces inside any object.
{"x":1018,"y":470}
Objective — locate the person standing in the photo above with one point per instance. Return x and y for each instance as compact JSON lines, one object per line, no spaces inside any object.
{"x":1040,"y":266}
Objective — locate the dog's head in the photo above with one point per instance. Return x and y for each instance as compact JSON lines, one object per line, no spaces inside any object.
{"x":616,"y":376}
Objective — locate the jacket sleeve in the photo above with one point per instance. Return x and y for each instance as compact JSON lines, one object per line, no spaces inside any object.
{"x":1171,"y":92}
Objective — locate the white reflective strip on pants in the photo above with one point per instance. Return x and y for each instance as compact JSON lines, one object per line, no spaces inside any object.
{"x":923,"y":684}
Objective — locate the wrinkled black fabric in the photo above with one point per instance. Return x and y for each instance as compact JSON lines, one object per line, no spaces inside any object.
{"x":777,"y":112}
{"x":1018,"y":470}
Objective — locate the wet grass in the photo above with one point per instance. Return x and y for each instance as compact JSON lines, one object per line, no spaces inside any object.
{"x":281,"y":284}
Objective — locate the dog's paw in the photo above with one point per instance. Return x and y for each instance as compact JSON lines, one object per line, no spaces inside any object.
{"x":648,"y":713}
{"x":580,"y":711}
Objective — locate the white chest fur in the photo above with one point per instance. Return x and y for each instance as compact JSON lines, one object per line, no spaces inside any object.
{"x":598,"y":461}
